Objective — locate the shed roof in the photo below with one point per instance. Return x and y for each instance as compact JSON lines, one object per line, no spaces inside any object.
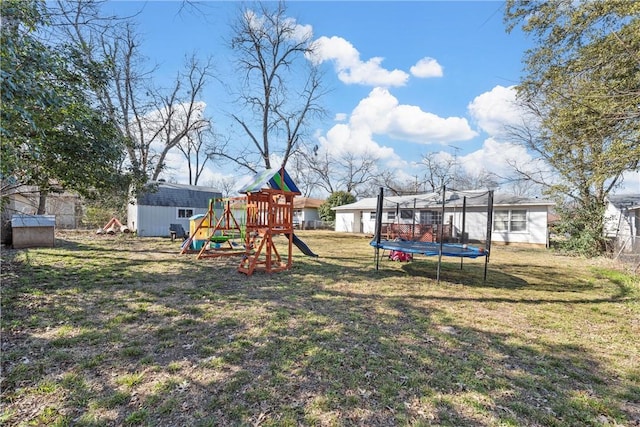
{"x":178,"y":195}
{"x":18,"y":221}
{"x":622,"y":201}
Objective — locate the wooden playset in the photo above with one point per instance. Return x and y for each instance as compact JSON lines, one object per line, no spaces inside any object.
{"x":267,"y":210}
{"x":269,"y":214}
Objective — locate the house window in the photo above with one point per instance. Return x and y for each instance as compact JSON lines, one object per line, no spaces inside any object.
{"x":510,"y":220}
{"x":406,"y":214}
{"x":391,"y":216}
{"x":430,"y":217}
{"x":501,"y":221}
{"x":185,"y":213}
{"x":372,"y":216}
{"x":518,"y":220}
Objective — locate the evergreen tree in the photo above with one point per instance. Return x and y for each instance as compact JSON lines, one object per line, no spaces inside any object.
{"x":337,"y":198}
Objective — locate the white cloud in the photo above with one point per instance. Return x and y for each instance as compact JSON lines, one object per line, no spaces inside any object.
{"x":340,"y":117}
{"x":350,"y":68}
{"x":426,"y":67}
{"x":497,"y":157}
{"x":411,"y":123}
{"x":383,"y":114}
{"x":301,"y":32}
{"x":496,"y":109}
{"x":345,"y":138}
{"x":630,"y":183}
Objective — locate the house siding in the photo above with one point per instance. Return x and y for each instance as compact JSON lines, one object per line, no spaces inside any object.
{"x":622,"y":222}
{"x":345,"y":223}
{"x":306,"y":214}
{"x":154,"y":221}
{"x":536,"y":233}
{"x":359,"y":219}
{"x":66,"y":207}
{"x":153,"y":213}
{"x":617,"y":223}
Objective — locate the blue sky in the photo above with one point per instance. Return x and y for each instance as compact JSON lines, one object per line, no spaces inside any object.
{"x":406,"y":78}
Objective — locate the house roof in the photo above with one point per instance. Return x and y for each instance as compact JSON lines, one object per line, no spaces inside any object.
{"x":621,"y":201}
{"x":306,"y":202}
{"x":452,"y":199}
{"x":178,"y":195}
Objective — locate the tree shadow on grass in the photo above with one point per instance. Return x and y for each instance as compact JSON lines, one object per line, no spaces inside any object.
{"x":215,"y":347}
{"x":386,"y":359}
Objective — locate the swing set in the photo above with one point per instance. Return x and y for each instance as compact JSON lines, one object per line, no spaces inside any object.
{"x":216,"y":237}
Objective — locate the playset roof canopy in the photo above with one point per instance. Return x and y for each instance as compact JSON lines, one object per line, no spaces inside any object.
{"x":275,"y":179}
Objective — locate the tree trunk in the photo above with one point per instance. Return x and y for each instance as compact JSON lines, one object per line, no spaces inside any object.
{"x":42,"y":202}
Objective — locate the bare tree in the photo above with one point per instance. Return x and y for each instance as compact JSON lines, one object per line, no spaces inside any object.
{"x":396,"y":187}
{"x":318,"y":164}
{"x":177,"y":115}
{"x":302,"y":174}
{"x":224,"y":184}
{"x":444,"y":169}
{"x":349,"y":172}
{"x":195,"y":148}
{"x":441,"y":169}
{"x":356,"y":171}
{"x":521,"y":187}
{"x":281,"y":88}
{"x":152,"y":120}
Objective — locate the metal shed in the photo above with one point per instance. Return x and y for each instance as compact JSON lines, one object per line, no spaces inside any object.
{"x":164,"y":205}
{"x":33,"y":231}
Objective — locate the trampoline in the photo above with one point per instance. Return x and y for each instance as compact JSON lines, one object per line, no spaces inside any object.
{"x":438,"y":248}
{"x":430,"y":248}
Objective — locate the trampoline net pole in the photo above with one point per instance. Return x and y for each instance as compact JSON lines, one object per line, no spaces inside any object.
{"x":379,"y":225}
{"x":464,"y":219}
{"x":487,"y":245}
{"x":441,"y":232}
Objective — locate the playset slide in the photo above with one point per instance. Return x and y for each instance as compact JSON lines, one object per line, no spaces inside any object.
{"x":302,"y":246}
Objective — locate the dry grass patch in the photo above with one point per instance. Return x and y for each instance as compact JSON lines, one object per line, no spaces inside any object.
{"x":121,"y":330}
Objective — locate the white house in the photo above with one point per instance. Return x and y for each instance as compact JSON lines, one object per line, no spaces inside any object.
{"x":65,"y":206}
{"x":152,"y":212}
{"x":305,"y":212}
{"x":622,"y":221}
{"x":515,"y":219}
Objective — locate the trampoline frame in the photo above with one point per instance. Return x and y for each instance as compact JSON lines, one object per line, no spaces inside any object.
{"x":439,"y":248}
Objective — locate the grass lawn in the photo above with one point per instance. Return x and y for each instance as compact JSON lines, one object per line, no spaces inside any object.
{"x":119,"y":330}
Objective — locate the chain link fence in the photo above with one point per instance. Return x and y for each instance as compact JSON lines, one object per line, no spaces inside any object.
{"x":627,"y":251}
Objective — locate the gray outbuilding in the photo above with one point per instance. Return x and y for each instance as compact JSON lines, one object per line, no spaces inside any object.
{"x":153,"y":212}
{"x":33,"y":231}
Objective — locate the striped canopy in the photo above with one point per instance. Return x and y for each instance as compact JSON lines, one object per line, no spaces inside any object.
{"x":276,"y":179}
